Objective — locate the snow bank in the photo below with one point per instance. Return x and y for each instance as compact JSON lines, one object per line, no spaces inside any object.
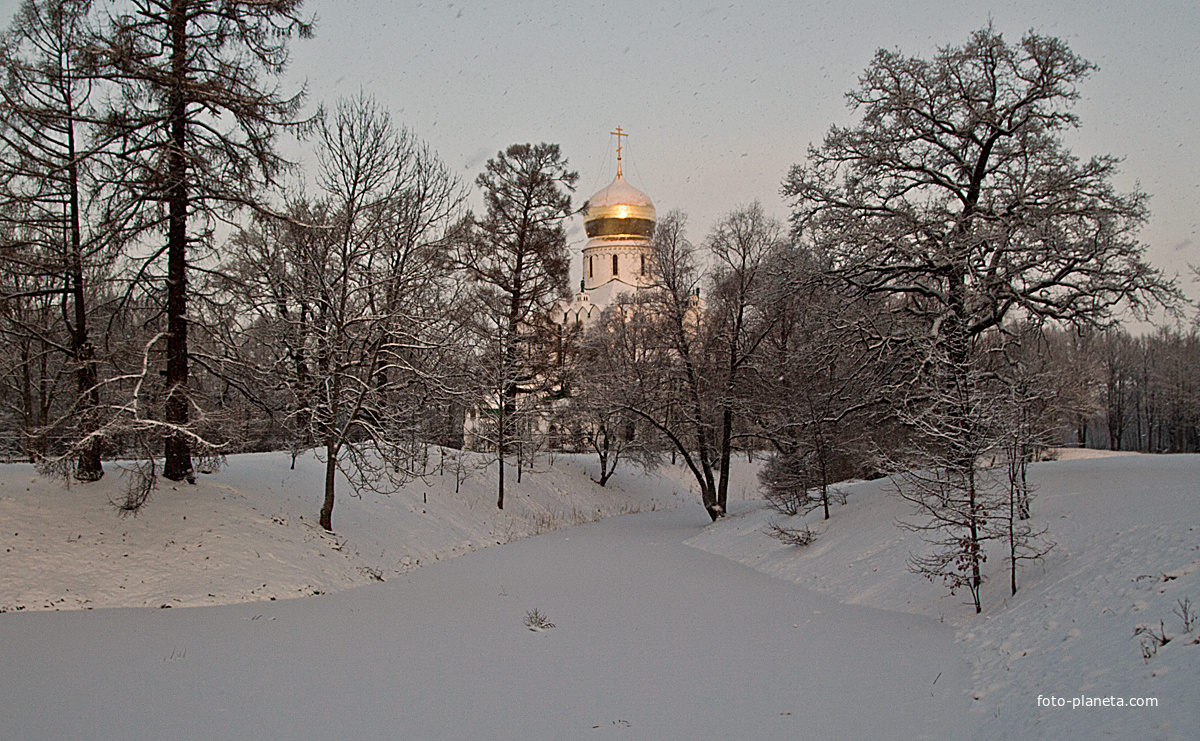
{"x":1127,"y":530}
{"x":248,"y":532}
{"x":1083,"y":454}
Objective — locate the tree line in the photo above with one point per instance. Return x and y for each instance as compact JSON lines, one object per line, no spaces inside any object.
{"x":941,"y":306}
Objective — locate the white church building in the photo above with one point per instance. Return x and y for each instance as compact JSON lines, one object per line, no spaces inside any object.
{"x":619,"y":221}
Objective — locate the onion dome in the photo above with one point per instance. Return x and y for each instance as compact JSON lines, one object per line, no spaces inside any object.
{"x":619,"y":212}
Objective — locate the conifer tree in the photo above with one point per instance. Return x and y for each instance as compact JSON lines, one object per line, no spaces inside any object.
{"x":197,"y":117}
{"x":47,"y":157}
{"x":516,"y":256}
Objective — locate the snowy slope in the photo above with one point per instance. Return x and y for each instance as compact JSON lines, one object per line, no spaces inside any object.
{"x":248,"y":532}
{"x":1127,"y":530}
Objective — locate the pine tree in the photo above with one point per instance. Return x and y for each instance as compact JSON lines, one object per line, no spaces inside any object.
{"x":516,"y":256}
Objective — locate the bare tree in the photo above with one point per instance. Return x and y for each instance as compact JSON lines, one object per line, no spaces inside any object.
{"x":1118,"y":364}
{"x":954,"y":497}
{"x":30,"y":367}
{"x":196,"y":124}
{"x":956,"y":193}
{"x":821,"y":392}
{"x":46,"y":155}
{"x":353,"y":293}
{"x":597,"y":413}
{"x":1031,"y":418}
{"x":1148,"y":391}
{"x":658,"y":349}
{"x":687,"y":358}
{"x":744,"y":305}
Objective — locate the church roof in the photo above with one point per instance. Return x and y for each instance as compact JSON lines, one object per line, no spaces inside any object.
{"x":619,"y":192}
{"x":619,"y":210}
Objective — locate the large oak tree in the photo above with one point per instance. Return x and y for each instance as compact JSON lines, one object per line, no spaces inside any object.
{"x":956,"y":192}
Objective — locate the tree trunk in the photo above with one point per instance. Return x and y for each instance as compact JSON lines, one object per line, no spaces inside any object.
{"x":501,"y":444}
{"x":973,"y":546}
{"x":1012,"y":539}
{"x":602,"y":452}
{"x":88,"y":466}
{"x":726,"y":452}
{"x":959,"y":386}
{"x":331,"y":453}
{"x":500,"y":497}
{"x":178,"y":463}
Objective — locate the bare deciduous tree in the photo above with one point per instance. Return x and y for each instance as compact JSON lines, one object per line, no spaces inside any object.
{"x":352,"y":293}
{"x":597,"y":413}
{"x":687,"y":358}
{"x":956,"y":193}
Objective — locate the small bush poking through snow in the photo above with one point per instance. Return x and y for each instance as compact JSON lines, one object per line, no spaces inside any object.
{"x":537,"y":621}
{"x":141,"y":478}
{"x":376,"y":574}
{"x":1186,"y":612}
{"x":797,"y":536}
{"x":1153,"y":641}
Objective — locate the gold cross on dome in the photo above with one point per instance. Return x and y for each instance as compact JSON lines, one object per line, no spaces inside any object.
{"x":618,"y":133}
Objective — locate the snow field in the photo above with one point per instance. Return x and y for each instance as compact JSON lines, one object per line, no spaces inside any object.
{"x":653,"y":639}
{"x":1127,"y":530}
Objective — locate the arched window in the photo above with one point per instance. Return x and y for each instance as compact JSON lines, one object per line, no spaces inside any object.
{"x":615,"y":273}
{"x":643,"y":264}
{"x":590,"y":273}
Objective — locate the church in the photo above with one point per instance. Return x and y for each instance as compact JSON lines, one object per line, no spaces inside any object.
{"x":619,"y":221}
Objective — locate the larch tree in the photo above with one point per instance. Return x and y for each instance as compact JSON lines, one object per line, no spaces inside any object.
{"x":516,"y":257}
{"x":197,"y":118}
{"x":956,"y":192}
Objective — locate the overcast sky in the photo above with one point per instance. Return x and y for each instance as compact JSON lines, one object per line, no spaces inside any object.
{"x":720,"y":99}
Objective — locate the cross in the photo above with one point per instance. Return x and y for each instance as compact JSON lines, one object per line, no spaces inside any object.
{"x":618,"y":133}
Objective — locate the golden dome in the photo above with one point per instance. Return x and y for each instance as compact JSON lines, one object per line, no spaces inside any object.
{"x":619,"y":212}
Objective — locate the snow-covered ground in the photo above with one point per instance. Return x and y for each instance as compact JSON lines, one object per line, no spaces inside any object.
{"x":249,"y":531}
{"x":653,"y":638}
{"x":1127,"y":529}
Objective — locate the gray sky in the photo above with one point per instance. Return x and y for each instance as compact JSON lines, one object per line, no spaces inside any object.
{"x":720,"y":99}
